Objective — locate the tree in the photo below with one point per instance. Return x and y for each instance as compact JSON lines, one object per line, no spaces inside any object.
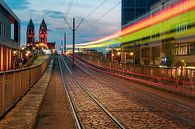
{"x":168,"y":48}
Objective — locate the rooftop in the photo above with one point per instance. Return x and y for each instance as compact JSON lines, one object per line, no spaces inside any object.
{"x":8,"y":10}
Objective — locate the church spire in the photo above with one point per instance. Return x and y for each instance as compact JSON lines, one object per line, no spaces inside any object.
{"x":30,"y":32}
{"x":43,"y":32}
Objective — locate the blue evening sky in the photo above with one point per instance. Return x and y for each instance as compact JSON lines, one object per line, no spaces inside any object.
{"x":54,"y":11}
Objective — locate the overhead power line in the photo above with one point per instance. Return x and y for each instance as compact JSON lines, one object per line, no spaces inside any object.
{"x":107,"y":12}
{"x":95,"y":9}
{"x":79,"y":23}
{"x":68,"y":24}
{"x":69,"y":8}
{"x":91,"y":13}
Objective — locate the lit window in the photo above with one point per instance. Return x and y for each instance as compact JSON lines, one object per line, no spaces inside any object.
{"x":0,"y":29}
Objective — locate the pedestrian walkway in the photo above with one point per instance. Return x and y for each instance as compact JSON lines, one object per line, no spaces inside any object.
{"x":40,"y":59}
{"x":55,"y":112}
{"x":25,"y":112}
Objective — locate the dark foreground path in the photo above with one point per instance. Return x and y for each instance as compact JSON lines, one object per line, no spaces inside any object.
{"x":55,"y":112}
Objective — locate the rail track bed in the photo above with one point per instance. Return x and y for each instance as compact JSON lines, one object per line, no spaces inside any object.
{"x":130,"y":107}
{"x":89,"y":112}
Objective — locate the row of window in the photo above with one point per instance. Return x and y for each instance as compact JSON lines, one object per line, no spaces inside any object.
{"x":184,"y":49}
{"x":181,"y":27}
{"x":4,"y":33}
{"x":180,"y":49}
{"x":135,"y":3}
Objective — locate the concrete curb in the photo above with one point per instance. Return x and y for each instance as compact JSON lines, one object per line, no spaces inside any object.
{"x":25,"y":113}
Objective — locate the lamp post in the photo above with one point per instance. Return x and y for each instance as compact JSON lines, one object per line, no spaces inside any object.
{"x":132,"y":54}
{"x":118,"y":56}
{"x":111,"y":56}
{"x":27,"y":56}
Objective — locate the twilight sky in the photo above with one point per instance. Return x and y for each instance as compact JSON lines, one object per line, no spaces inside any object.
{"x":94,"y":26}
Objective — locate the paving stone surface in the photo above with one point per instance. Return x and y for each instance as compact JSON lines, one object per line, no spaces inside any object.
{"x":55,"y":112}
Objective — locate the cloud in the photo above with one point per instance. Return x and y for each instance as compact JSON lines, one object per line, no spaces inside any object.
{"x":53,"y":13}
{"x":35,"y":22}
{"x":18,"y":4}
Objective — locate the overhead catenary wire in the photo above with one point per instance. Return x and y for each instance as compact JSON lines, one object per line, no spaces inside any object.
{"x":95,"y":9}
{"x":91,"y":13}
{"x":69,"y":8}
{"x":68,"y":24}
{"x":79,"y":23}
{"x":107,"y":12}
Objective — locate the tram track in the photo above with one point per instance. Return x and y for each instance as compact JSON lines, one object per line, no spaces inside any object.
{"x":78,"y":111}
{"x":75,"y":116}
{"x":184,"y":111}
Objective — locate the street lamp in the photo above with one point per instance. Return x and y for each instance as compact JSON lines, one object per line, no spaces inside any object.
{"x":112,"y":57}
{"x":133,"y":56}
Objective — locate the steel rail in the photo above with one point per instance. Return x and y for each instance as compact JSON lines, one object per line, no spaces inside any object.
{"x":94,"y":98}
{"x":78,"y":124}
{"x":151,"y":95}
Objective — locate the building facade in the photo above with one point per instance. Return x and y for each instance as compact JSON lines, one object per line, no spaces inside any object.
{"x":169,"y":41}
{"x":9,"y":37}
{"x":43,"y":36}
{"x":132,"y":9}
{"x":162,"y":4}
{"x":30,"y":33}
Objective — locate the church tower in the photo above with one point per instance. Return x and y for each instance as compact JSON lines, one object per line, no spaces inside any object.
{"x":43,"y":32}
{"x":30,"y":33}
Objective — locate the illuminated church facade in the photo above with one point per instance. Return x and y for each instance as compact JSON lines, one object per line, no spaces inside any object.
{"x":43,"y":35}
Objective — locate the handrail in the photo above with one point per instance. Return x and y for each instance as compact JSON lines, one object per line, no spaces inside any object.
{"x":20,"y":69}
{"x":15,"y":83}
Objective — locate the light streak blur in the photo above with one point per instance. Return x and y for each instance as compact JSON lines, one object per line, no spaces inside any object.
{"x":163,"y":23}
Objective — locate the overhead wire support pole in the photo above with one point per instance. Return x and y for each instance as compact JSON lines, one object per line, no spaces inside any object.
{"x":73,"y":43}
{"x":64,"y":42}
{"x":68,"y":24}
{"x":79,"y":24}
{"x":73,"y":30}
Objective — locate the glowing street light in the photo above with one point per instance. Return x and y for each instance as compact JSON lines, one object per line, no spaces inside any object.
{"x":14,"y":52}
{"x":131,"y":54}
{"x":118,"y":53}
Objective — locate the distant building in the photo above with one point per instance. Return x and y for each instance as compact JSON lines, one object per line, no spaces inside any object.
{"x":52,"y":46}
{"x":132,"y":9}
{"x":30,"y":33}
{"x":43,"y":35}
{"x":9,"y":37}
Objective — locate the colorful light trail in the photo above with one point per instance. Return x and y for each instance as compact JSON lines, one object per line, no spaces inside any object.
{"x":160,"y":23}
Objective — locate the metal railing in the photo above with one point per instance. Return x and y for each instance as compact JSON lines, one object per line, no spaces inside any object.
{"x":180,"y":77}
{"x":15,"y":83}
{"x":9,"y":43}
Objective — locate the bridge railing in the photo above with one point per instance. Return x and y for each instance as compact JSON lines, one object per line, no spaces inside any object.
{"x":180,"y":77}
{"x":15,"y":83}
